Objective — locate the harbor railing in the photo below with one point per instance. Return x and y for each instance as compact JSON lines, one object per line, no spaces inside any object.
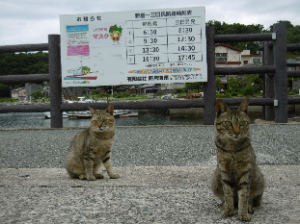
{"x":275,"y":99}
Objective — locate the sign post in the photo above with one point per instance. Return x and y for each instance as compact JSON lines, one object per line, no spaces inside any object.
{"x":136,"y":47}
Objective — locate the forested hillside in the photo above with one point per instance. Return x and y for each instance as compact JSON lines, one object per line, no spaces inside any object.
{"x":292,"y":32}
{"x":23,"y":63}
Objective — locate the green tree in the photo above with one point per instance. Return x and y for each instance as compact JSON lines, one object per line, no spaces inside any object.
{"x":218,"y":82}
{"x":4,"y":91}
{"x":23,"y":63}
{"x":233,"y":85}
{"x":292,"y":34}
{"x":37,"y":94}
{"x":178,"y":90}
{"x":288,"y":24}
{"x":193,"y":86}
{"x":237,"y":28}
{"x":249,"y":90}
{"x":245,"y":85}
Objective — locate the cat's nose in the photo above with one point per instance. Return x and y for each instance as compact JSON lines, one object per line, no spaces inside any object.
{"x":236,"y":131}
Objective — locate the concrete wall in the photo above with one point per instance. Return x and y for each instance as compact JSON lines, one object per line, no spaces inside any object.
{"x":296,"y":84}
{"x":31,"y":88}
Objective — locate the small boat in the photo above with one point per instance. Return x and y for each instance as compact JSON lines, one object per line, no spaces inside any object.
{"x":117,"y":114}
{"x":125,"y":113}
{"x":83,"y":100}
{"x":79,"y":114}
{"x":48,"y":115}
{"x":87,"y":114}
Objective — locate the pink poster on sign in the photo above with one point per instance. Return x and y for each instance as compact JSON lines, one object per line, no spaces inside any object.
{"x":77,"y":50}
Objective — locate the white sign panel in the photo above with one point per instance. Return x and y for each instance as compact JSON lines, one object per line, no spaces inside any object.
{"x":137,"y":47}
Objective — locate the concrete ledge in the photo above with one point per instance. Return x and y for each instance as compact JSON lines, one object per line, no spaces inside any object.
{"x":142,"y":195}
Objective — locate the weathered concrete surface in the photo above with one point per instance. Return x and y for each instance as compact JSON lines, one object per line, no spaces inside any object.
{"x":148,"y":146}
{"x":165,"y":177}
{"x":141,"y":195}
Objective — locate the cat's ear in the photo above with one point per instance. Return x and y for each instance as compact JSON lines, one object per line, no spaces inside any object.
{"x":244,"y":106}
{"x":221,"y":107}
{"x":93,"y":111}
{"x":110,"y":109}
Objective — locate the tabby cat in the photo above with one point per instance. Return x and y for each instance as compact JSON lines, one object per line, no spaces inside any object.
{"x":237,"y":180}
{"x":92,"y":147}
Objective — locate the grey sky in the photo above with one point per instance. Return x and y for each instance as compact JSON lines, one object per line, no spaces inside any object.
{"x":30,"y":21}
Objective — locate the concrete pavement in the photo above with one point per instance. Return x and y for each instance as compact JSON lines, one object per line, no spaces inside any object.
{"x":141,"y":195}
{"x":165,"y":177}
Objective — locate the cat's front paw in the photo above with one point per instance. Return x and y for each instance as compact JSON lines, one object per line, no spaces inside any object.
{"x":227,"y":210}
{"x":244,"y":217}
{"x":250,"y":209}
{"x":82,"y":177}
{"x":91,"y":177}
{"x":114,"y":176}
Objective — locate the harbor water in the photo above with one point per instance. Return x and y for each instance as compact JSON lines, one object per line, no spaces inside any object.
{"x":37,"y":120}
{"x":189,"y":116}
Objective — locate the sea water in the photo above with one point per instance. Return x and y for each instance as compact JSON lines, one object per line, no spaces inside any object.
{"x":37,"y":119}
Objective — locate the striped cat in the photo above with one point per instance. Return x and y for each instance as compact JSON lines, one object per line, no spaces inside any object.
{"x":92,"y":147}
{"x":237,"y":180}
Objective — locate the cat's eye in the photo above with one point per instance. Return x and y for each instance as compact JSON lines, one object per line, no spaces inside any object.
{"x":228,"y":123}
{"x":242,"y":123}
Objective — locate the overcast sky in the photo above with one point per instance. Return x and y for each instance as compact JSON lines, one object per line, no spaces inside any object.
{"x":30,"y":21}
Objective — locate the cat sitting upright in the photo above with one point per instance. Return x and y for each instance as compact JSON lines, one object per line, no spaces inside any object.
{"x":237,"y":180}
{"x":92,"y":147}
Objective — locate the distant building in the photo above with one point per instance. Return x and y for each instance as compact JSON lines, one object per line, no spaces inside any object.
{"x":250,"y":59}
{"x":229,"y":56}
{"x":31,"y":88}
{"x":19,"y":93}
{"x":23,"y":93}
{"x":293,"y":64}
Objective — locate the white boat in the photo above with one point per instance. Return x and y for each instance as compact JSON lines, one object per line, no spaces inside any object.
{"x":83,"y":100}
{"x":87,"y":114}
{"x":48,"y":115}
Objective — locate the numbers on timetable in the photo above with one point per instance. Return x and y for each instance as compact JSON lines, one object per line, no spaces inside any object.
{"x":150,"y":50}
{"x":186,"y":48}
{"x":150,"y":32}
{"x":151,"y":59}
{"x":186,"y":39}
{"x":185,"y":30}
{"x":190,"y":57}
{"x":150,"y":40}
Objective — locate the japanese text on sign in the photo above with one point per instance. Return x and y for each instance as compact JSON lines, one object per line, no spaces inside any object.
{"x":119,"y":48}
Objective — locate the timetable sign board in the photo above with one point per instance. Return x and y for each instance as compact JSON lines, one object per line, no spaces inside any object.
{"x":135,"y":47}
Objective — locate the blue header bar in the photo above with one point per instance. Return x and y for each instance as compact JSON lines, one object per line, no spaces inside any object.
{"x":79,"y":28}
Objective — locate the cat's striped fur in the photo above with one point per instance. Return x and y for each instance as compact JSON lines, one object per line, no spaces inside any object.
{"x":237,"y":180}
{"x":92,"y":147}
